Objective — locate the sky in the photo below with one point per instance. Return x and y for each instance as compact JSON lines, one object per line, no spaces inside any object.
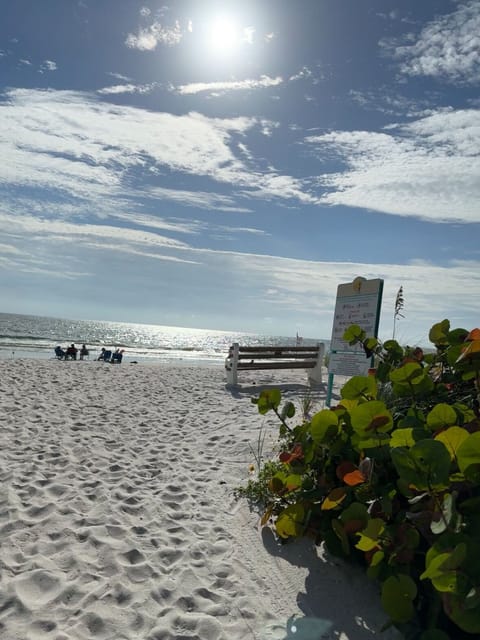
{"x":228,"y":164}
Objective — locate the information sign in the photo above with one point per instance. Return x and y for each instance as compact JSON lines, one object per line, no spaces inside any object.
{"x":359,"y":303}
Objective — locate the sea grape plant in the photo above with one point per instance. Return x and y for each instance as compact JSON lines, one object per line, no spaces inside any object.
{"x":390,"y":476}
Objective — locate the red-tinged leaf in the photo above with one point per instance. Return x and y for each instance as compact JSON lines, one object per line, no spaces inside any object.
{"x":473,"y":335}
{"x":334,"y":499}
{"x":344,"y":468}
{"x":295,"y":454}
{"x":378,"y":422}
{"x":354,"y":478}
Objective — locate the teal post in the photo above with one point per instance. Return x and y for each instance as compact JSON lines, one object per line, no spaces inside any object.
{"x":329,"y":389}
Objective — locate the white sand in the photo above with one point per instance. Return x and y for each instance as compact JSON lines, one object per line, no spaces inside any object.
{"x":117,"y":515}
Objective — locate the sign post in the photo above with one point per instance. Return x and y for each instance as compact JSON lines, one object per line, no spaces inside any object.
{"x":358,"y":302}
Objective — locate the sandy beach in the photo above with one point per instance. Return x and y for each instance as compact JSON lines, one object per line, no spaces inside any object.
{"x":118,"y":519}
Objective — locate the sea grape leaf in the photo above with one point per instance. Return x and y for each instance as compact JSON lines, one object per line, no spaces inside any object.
{"x":368,"y":537}
{"x":371,"y":418}
{"x":438,"y":334}
{"x":334,"y":499}
{"x":408,"y":373}
{"x":456,"y":607}
{"x":468,"y":453}
{"x":339,"y":529}
{"x":402,"y":438}
{"x":355,"y":512}
{"x":293,"y":481}
{"x":470,"y":352}
{"x":323,"y":426}
{"x":359,"y":387}
{"x":291,"y":521}
{"x":288,"y":410}
{"x":398,"y":593}
{"x":353,"y":334}
{"x":268,"y":399}
{"x":425,"y":466}
{"x":453,"y":438}
{"x":442,"y":415}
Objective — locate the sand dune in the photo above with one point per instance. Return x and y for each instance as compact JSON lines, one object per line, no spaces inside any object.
{"x":118,"y":521}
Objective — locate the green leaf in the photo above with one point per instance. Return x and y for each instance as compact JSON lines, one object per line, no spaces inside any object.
{"x":402,"y":438}
{"x":288,"y":410}
{"x":359,"y":387}
{"x":323,"y":426}
{"x":407,"y":374}
{"x":398,"y":593}
{"x":371,"y":418}
{"x":457,"y":609}
{"x":269,"y":399}
{"x":438,"y":334}
{"x":425,"y":466}
{"x":468,"y":453}
{"x":368,"y":537}
{"x":453,"y":438}
{"x":291,"y":521}
{"x":442,"y":415}
{"x":354,"y":334}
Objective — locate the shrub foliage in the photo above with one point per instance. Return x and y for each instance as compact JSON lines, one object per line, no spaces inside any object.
{"x":390,"y":477}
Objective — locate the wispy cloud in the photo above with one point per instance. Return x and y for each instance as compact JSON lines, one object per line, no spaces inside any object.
{"x":127,"y":88}
{"x":47,"y":65}
{"x":77,"y":148}
{"x":428,"y":168}
{"x":148,"y":38}
{"x":228,"y":85}
{"x":119,"y":76}
{"x":447,"y":48}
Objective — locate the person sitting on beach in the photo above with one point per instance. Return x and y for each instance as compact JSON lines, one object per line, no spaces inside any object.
{"x":71,"y":352}
{"x":83,"y":352}
{"x":117,"y":356}
{"x":59,"y":352}
{"x":104,"y":355}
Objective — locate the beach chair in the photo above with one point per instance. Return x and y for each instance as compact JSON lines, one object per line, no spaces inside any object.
{"x":59,"y":353}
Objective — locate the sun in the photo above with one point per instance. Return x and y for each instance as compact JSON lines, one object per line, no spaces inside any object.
{"x":223,"y":35}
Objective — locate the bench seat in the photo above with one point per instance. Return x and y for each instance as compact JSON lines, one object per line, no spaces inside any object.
{"x":274,"y":357}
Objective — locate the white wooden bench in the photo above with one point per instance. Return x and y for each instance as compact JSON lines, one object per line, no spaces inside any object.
{"x":275,"y":357}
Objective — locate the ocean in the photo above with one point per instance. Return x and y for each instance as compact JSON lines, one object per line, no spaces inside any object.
{"x":23,"y":336}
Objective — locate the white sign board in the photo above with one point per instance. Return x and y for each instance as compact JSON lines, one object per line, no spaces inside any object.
{"x":358,"y":302}
{"x":349,"y":364}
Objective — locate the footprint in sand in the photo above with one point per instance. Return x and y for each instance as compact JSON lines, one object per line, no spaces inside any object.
{"x":36,"y":588}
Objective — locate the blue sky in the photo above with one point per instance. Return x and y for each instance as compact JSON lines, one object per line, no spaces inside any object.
{"x":227,"y":164}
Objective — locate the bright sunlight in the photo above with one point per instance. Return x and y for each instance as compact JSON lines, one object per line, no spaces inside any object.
{"x":224,"y":35}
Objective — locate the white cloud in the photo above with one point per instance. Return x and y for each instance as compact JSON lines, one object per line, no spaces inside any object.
{"x":232,"y":85}
{"x":147,"y":39}
{"x":80,"y":150}
{"x":25,"y":62}
{"x":119,"y":76}
{"x":145,"y":11}
{"x":127,"y":88}
{"x":447,"y":48}
{"x":48,"y":65}
{"x":429,"y":168}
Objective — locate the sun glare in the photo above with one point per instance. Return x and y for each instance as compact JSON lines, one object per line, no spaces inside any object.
{"x":223,"y":35}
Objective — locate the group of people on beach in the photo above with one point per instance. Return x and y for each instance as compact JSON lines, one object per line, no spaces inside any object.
{"x":108,"y":356}
{"x":70,"y":353}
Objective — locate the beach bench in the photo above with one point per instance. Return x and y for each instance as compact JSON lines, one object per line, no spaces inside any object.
{"x":275,"y":357}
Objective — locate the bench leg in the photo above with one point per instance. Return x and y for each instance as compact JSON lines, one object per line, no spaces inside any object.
{"x":315,"y":374}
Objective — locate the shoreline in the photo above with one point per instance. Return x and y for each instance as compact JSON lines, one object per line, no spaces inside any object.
{"x":117,"y":514}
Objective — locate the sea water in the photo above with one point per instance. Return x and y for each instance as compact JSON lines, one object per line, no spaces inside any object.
{"x":23,"y":336}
